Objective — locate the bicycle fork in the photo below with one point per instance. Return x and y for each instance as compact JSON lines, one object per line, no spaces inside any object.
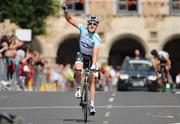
{"x":85,"y":93}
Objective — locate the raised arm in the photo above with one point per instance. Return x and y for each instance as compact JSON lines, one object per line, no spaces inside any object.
{"x":68,"y":16}
{"x":168,"y":62}
{"x":95,"y":55}
{"x":157,"y":64}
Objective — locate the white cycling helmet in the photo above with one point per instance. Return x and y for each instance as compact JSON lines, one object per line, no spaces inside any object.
{"x":93,"y":19}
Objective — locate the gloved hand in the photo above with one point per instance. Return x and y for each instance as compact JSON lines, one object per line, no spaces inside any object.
{"x":93,"y":68}
{"x":64,"y":7}
{"x":95,"y":71}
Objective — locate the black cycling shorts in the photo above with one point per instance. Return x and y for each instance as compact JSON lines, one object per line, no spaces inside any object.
{"x":86,"y":59}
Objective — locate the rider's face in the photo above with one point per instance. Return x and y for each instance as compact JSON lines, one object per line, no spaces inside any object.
{"x":92,"y":27}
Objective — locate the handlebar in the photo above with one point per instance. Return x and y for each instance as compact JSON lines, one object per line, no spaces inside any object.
{"x":92,"y":71}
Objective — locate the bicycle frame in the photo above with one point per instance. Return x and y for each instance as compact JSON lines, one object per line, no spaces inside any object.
{"x":85,"y":103}
{"x":163,"y":74}
{"x":85,"y":94}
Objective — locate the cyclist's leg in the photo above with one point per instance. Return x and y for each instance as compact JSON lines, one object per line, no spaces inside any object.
{"x":160,"y":80}
{"x":92,"y":94}
{"x":163,"y":77}
{"x":169,"y":80}
{"x":160,"y":84}
{"x":78,"y":76}
{"x":78,"y":69}
{"x":92,"y":91}
{"x":92,"y":87}
{"x":167,"y":72}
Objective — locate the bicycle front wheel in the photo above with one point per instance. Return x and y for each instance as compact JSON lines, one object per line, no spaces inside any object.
{"x":85,"y":104}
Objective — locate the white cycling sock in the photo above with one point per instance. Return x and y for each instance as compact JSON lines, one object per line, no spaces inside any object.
{"x":92,"y":103}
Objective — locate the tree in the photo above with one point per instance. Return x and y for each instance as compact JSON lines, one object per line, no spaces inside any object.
{"x":29,"y":14}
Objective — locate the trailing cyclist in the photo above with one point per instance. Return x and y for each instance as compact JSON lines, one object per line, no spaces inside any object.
{"x":162,"y":60}
{"x":89,"y":50}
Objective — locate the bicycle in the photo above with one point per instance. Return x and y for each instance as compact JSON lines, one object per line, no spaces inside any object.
{"x":6,"y":118}
{"x":84,"y":102}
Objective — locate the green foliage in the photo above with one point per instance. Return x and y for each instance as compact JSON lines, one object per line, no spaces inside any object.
{"x":28,"y":13}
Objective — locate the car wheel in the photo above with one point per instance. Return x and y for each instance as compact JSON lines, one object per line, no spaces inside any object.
{"x":121,"y":86}
{"x":152,"y":88}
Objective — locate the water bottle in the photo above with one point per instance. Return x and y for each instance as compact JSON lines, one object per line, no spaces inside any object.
{"x":79,"y":56}
{"x":79,"y":63}
{"x":167,"y":88}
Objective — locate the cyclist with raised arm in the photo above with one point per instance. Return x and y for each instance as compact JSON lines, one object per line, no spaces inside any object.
{"x":89,"y":50}
{"x":160,"y":58}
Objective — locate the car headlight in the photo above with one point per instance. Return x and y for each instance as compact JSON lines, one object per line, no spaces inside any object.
{"x":152,"y":77}
{"x":124,"y":76}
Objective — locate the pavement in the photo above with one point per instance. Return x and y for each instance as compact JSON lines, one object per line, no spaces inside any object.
{"x":131,"y":107}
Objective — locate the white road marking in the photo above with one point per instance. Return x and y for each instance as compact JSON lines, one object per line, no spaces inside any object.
{"x":4,"y":97}
{"x":163,"y":116}
{"x":148,"y":106}
{"x":109,"y":107}
{"x":113,"y":94}
{"x":42,"y":107}
{"x":175,"y":123}
{"x":77,"y":107}
{"x":164,"y":113}
{"x":177,"y":92}
{"x":111,"y":99}
{"x":105,"y":122}
{"x":107,"y":114}
{"x":148,"y":113}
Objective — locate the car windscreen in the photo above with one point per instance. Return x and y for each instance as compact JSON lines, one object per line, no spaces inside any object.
{"x":138,"y":65}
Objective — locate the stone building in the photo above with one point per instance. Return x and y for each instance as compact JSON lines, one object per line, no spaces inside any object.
{"x":125,"y":25}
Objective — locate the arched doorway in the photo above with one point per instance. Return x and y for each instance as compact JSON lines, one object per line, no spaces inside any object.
{"x":173,"y":48}
{"x":122,"y":47}
{"x":67,"y":50}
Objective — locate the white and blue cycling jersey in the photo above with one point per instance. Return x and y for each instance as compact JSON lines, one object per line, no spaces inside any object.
{"x":88,"y":41}
{"x":163,"y":55}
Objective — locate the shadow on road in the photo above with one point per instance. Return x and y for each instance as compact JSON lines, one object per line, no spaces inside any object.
{"x":76,"y":120}
{"x":138,"y":90}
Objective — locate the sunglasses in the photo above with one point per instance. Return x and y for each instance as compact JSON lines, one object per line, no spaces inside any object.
{"x":92,"y":24}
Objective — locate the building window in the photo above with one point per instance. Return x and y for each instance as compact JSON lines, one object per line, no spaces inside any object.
{"x":127,"y":6}
{"x":77,"y":7}
{"x":175,"y":6}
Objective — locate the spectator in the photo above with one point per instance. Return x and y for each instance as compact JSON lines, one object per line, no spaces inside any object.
{"x":63,"y":79}
{"x":137,"y":54}
{"x":15,"y":42}
{"x":69,"y":74}
{"x":7,"y":56}
{"x":178,"y":80}
{"x":114,"y":76}
{"x":27,"y":68}
{"x":40,"y":75}
{"x":55,"y":76}
{"x":3,"y":62}
{"x":20,"y":55}
{"x":105,"y":76}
